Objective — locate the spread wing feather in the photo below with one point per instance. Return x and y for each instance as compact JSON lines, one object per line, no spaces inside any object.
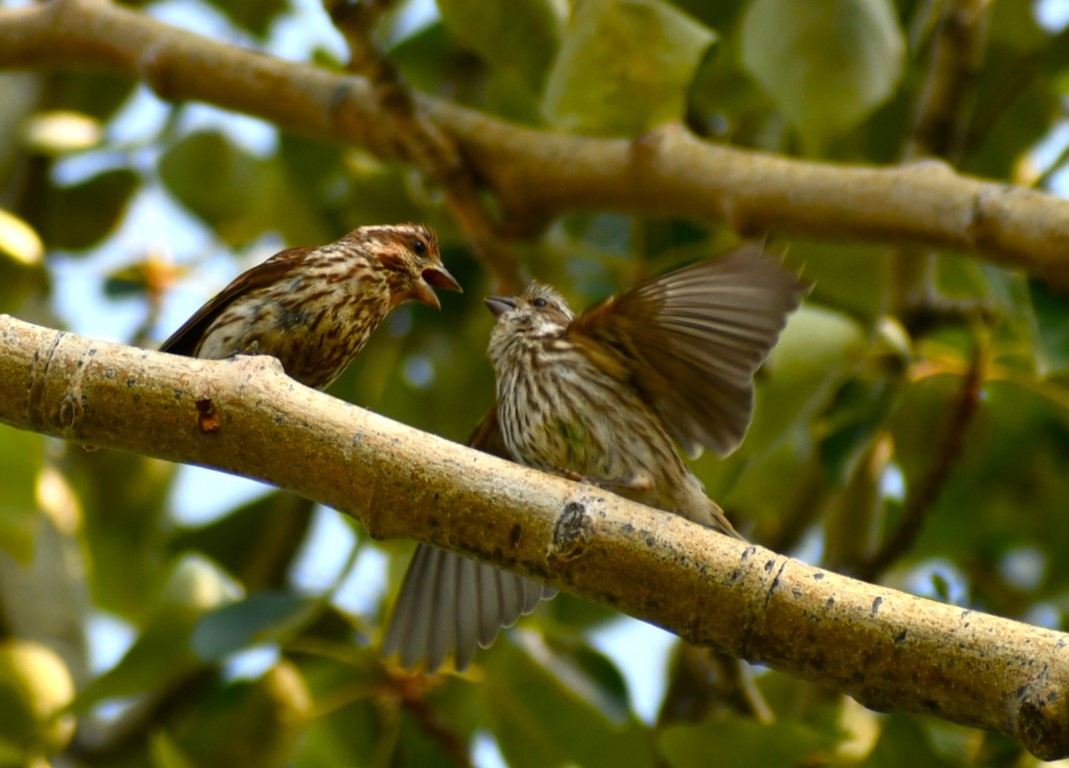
{"x":693,"y":339}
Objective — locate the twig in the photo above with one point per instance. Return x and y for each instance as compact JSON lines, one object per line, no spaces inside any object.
{"x":431,"y":724}
{"x":921,"y":499}
{"x":1058,"y":164}
{"x":941,"y":118}
{"x":941,"y":114}
{"x":702,"y":682}
{"x":422,"y":142}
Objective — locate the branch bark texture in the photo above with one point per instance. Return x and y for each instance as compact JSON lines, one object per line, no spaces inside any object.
{"x":538,"y":174}
{"x":888,"y":649}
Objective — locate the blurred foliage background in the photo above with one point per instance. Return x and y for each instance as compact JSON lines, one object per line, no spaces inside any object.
{"x":202,"y":621}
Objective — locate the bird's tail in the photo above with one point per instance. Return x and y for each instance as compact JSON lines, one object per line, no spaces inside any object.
{"x":449,"y":605}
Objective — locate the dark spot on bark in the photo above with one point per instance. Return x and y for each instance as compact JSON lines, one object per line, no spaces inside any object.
{"x":573,"y":531}
{"x":829,"y":602}
{"x":876,"y":605}
{"x":818,"y":575}
{"x":901,"y":637}
{"x":514,"y":535}
{"x":650,"y":541}
{"x":109,"y":373}
{"x":628,"y":528}
{"x":208,"y":417}
{"x":769,"y":564}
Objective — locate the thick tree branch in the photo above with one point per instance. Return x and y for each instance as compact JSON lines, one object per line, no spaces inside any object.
{"x":889,"y":650}
{"x":538,"y":174}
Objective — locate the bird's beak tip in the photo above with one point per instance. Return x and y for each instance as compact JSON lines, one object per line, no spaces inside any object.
{"x":439,"y":277}
{"x":499,"y":305}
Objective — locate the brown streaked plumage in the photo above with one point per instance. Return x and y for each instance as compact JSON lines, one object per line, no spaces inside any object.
{"x":605,"y":397}
{"x":314,"y":308}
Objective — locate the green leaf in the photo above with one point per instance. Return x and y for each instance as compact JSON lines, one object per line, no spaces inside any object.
{"x":22,"y":458}
{"x":97,"y":94}
{"x":125,"y":501}
{"x":165,"y":753}
{"x":222,"y":184}
{"x":82,"y":215}
{"x":625,"y":66}
{"x":859,"y":410}
{"x":590,"y":674}
{"x":348,"y":733}
{"x":161,"y":655}
{"x":1050,"y":310}
{"x":247,"y":723}
{"x":1025,"y":116}
{"x":827,"y":63}
{"x":1015,"y":25}
{"x":815,"y":351}
{"x":516,"y":36}
{"x":254,"y":16}
{"x":745,"y":743}
{"x":257,"y":541}
{"x":538,"y":719}
{"x":859,"y":293}
{"x":261,"y":618}
{"x":903,"y":742}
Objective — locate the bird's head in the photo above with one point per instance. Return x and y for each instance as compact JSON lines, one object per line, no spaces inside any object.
{"x":409,"y":257}
{"x":539,"y":312}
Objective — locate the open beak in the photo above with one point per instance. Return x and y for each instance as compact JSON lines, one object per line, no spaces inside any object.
{"x":499,"y":305}
{"x":434,"y":277}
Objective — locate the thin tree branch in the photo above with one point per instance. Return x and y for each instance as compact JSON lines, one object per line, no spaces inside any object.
{"x":942,"y":110}
{"x":887,"y":649}
{"x":538,"y":174}
{"x":940,"y":124}
{"x":423,"y":143}
{"x":924,"y":496}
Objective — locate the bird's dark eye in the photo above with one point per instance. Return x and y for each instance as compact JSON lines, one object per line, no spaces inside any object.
{"x":419,"y":247}
{"x":539,"y":303}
